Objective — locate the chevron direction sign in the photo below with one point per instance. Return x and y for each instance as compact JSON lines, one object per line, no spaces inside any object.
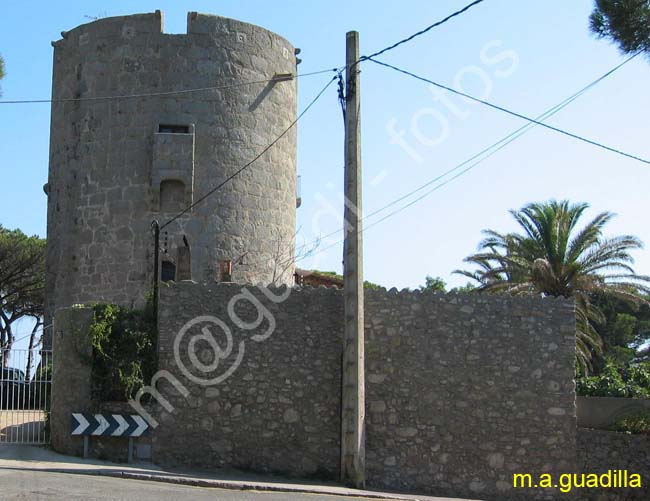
{"x":108,"y":425}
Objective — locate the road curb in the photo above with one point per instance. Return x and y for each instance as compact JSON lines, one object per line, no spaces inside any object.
{"x":253,"y":486}
{"x":240,"y":485}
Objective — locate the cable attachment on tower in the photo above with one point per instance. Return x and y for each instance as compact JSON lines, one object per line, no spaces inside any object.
{"x":341,"y":90}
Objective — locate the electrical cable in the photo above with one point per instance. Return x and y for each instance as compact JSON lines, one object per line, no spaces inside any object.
{"x":481,"y":156}
{"x":512,"y":113}
{"x":40,"y":329}
{"x":166,"y":93}
{"x":267,"y":148}
{"x":422,"y":32}
{"x":500,"y":144}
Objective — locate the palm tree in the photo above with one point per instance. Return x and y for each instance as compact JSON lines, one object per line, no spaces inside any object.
{"x":554,"y":257}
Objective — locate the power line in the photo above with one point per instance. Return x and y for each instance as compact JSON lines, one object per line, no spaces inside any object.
{"x":267,"y":148}
{"x":481,"y":156}
{"x":422,"y":32}
{"x":510,"y":112}
{"x":40,"y":329}
{"x":503,"y":142}
{"x":167,"y":93}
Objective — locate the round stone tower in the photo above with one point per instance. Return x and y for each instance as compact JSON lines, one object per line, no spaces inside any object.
{"x":191,"y":110}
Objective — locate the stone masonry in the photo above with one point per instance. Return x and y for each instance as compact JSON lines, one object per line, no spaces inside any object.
{"x":118,"y":164}
{"x":600,"y":451}
{"x":280,"y":410}
{"x":462,"y":390}
{"x":71,"y":370}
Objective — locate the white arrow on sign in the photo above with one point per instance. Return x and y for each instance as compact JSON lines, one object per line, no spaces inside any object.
{"x":122,"y":425}
{"x":83,"y":424}
{"x":142,"y":425}
{"x":103,"y":424}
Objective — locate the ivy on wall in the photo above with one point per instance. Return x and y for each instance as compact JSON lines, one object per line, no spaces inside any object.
{"x":124,"y":343}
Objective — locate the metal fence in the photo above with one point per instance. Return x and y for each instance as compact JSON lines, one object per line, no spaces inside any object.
{"x":25,"y":391}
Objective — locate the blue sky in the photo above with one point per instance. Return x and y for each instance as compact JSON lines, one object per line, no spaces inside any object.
{"x":527,"y":56}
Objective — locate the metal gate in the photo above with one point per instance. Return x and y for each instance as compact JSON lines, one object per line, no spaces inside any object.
{"x":25,"y":391}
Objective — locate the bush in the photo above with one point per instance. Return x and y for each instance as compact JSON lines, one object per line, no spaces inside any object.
{"x":124,"y":356}
{"x":637,"y":423}
{"x":617,"y":381}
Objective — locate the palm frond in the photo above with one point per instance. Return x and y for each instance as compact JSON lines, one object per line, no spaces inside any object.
{"x":553,"y":256}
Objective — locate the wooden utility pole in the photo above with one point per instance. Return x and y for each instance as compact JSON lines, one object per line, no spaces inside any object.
{"x":353,"y":447}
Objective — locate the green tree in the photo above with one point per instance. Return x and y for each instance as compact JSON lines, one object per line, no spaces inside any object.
{"x":435,"y":284}
{"x":617,"y":381}
{"x":336,"y":276}
{"x":463,"y":289}
{"x":625,"y":332}
{"x":22,"y":279}
{"x":554,"y":257}
{"x":625,"y":22}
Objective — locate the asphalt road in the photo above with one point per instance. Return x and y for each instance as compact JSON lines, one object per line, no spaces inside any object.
{"x":36,"y":485}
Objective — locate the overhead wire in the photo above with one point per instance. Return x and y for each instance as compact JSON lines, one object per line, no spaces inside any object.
{"x":257,"y":157}
{"x":422,"y":32}
{"x":510,"y":112}
{"x":501,"y":143}
{"x":341,"y":84}
{"x":40,"y":329}
{"x":167,"y":93}
{"x":480,"y":157}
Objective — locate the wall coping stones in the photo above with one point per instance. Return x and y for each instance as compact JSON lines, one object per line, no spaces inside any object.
{"x":417,"y":294}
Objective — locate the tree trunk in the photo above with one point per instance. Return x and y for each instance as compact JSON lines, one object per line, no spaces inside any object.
{"x":30,"y":352}
{"x":6,"y":339}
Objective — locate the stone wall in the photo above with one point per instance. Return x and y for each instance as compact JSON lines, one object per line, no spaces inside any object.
{"x":462,"y":391}
{"x":600,"y":451}
{"x":72,"y":392}
{"x":602,"y":412}
{"x":279,"y":411}
{"x":71,"y":373}
{"x":106,"y":167}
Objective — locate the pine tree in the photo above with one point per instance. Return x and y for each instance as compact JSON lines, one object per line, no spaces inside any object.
{"x":625,"y":22}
